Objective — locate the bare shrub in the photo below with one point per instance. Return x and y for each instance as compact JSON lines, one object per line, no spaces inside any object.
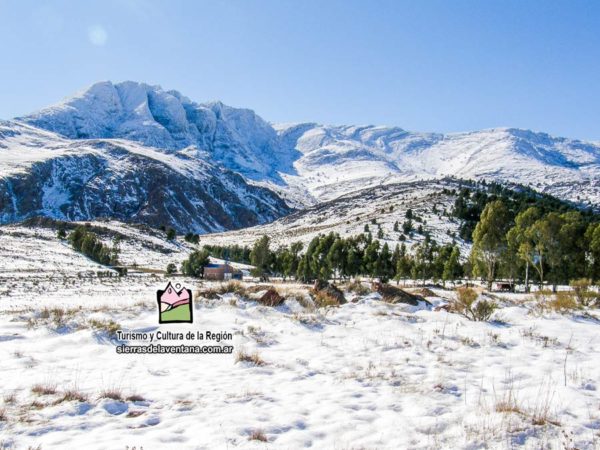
{"x":468,"y":305}
{"x":3,"y":415}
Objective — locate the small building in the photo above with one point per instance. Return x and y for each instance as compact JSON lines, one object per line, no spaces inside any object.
{"x":504,"y":286}
{"x":221,"y":272}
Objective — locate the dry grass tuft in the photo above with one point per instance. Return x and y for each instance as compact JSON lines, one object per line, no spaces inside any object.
{"x":258,"y":435}
{"x":112,"y":394}
{"x":135,"y":398}
{"x":561,"y":302}
{"x":36,"y":405}
{"x":252,"y":358}
{"x":44,"y":389}
{"x":110,"y":327}
{"x":231,"y":287}
{"x":72,"y":395}
{"x":3,"y":415}
{"x":583,"y":294}
{"x":358,"y":288}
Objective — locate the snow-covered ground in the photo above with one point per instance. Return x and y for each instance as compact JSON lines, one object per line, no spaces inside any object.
{"x":367,"y":374}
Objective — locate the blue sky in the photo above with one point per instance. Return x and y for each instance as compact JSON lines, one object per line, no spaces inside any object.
{"x":448,"y":65}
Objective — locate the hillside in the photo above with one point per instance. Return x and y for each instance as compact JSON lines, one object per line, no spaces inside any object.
{"x":349,"y":214}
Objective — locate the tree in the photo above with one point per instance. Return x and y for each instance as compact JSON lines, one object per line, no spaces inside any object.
{"x":544,"y":244}
{"x":291,"y":259}
{"x":489,"y":238}
{"x":452,"y":268}
{"x":61,"y":233}
{"x":407,"y":226}
{"x":384,"y":267}
{"x":171,"y":268}
{"x":572,"y":248}
{"x":171,"y":234}
{"x":404,"y":268}
{"x":192,"y":238}
{"x":194,"y":265}
{"x":519,"y":241}
{"x":370,"y":260}
{"x":336,"y":257}
{"x":592,"y":242}
{"x":260,"y":258}
{"x":353,"y":261}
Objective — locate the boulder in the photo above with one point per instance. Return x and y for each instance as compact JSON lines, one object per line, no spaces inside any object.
{"x":392,"y":294}
{"x":271,"y":298}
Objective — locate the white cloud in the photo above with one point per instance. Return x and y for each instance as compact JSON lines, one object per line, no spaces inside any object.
{"x":97,"y":35}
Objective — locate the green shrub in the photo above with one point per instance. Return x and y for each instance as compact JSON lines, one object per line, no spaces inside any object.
{"x":467,"y":305}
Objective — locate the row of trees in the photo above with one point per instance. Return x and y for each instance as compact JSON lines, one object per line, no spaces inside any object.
{"x":236,"y":253}
{"x":86,"y":242}
{"x":330,"y":256}
{"x":551,"y":247}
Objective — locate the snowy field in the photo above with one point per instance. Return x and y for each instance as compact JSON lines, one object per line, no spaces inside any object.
{"x":365,"y":375}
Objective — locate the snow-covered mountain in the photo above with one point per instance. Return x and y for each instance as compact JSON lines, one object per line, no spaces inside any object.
{"x":44,"y":174}
{"x":308,"y":162}
{"x":237,"y":138}
{"x":137,"y":152}
{"x":340,"y":159}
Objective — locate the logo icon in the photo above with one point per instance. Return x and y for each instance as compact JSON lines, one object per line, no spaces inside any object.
{"x":174,"y":304}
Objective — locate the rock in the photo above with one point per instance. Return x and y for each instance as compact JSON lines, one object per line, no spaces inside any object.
{"x":271,"y":298}
{"x":393,"y":294}
{"x":422,"y":291}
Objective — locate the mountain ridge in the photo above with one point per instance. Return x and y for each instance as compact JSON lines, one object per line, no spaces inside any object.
{"x":234,"y":156}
